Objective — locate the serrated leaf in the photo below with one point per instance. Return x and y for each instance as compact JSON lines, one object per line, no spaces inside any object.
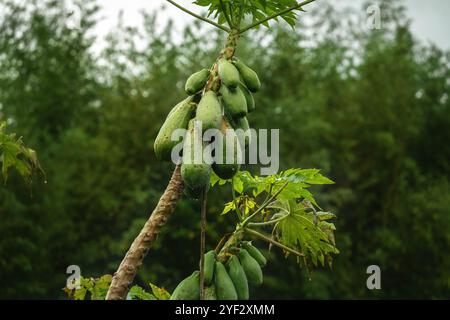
{"x":13,"y":154}
{"x":298,"y":231}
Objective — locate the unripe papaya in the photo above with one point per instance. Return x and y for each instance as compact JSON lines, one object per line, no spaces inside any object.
{"x":248,"y":98}
{"x":178,"y":118}
{"x":224,"y":286}
{"x":228,"y":73}
{"x":197,"y":81}
{"x":227,"y":165}
{"x":209,"y":259}
{"x":194,"y":171}
{"x":242,"y":123}
{"x":255,"y":253}
{"x":251,"y":267}
{"x":237,"y":275}
{"x":234,"y":102}
{"x":249,"y":76}
{"x":209,"y":111}
{"x":193,"y":194}
{"x":210,"y":293}
{"x":188,"y":289}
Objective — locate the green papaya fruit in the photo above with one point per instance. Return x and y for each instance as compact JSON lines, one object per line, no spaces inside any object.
{"x":210,"y":293}
{"x":225,"y":167}
{"x":255,"y":253}
{"x":234,"y":102}
{"x":188,"y":289}
{"x":224,"y":286}
{"x":237,"y":275}
{"x":178,"y":118}
{"x":248,"y":98}
{"x":228,"y":73}
{"x":249,"y":76}
{"x":194,"y":171}
{"x":197,"y":81}
{"x":209,"y":111}
{"x":242,"y":123}
{"x":191,"y":193}
{"x":251,"y":267}
{"x":209,"y":259}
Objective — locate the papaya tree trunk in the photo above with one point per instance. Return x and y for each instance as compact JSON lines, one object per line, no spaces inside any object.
{"x":124,"y":276}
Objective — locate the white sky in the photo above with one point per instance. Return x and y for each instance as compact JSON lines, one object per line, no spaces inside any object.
{"x":430,"y":17}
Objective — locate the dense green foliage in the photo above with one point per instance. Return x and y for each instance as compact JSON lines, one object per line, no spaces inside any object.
{"x":370,"y":108}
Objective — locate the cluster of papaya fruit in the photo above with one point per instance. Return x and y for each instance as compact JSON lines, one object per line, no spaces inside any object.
{"x":220,"y":98}
{"x":230,"y":282}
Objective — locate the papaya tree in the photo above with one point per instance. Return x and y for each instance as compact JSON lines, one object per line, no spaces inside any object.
{"x":278,"y":208}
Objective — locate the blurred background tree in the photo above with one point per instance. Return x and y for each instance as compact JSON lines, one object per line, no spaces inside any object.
{"x":370,"y":108}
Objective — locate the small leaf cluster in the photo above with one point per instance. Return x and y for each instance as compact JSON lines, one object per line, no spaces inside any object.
{"x":97,"y":288}
{"x":14,"y":154}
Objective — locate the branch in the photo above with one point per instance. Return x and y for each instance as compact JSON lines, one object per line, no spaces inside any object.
{"x":273,"y":16}
{"x":266,"y":223}
{"x":198,"y":16}
{"x":127,"y":270}
{"x":275,"y":243}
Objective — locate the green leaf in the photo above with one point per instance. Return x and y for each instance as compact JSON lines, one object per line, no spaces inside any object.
{"x":229,"y":206}
{"x":138,"y":293}
{"x":238,"y":185}
{"x":298,"y":231}
{"x":13,"y":154}
{"x":160,"y":293}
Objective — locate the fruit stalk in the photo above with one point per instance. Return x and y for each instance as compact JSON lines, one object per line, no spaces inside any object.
{"x":202,"y":244}
{"x":128,"y":268}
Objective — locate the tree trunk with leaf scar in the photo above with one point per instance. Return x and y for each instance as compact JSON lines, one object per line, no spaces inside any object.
{"x":124,"y":276}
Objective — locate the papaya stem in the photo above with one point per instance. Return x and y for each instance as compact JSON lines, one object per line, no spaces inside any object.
{"x":127,"y":270}
{"x":222,"y":242}
{"x":202,"y":244}
{"x":198,"y":16}
{"x":273,"y":16}
{"x":275,"y":243}
{"x":266,"y":223}
{"x":233,"y":193}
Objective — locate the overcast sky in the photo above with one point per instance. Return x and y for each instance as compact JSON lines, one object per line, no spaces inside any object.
{"x":431,"y":18}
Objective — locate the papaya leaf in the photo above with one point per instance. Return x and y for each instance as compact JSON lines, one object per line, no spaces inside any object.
{"x":299,"y":231}
{"x":229,"y":206}
{"x":215,"y":179}
{"x":160,"y":293}
{"x":138,"y":293}
{"x":14,"y":154}
{"x":90,"y":288}
{"x":253,"y":10}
